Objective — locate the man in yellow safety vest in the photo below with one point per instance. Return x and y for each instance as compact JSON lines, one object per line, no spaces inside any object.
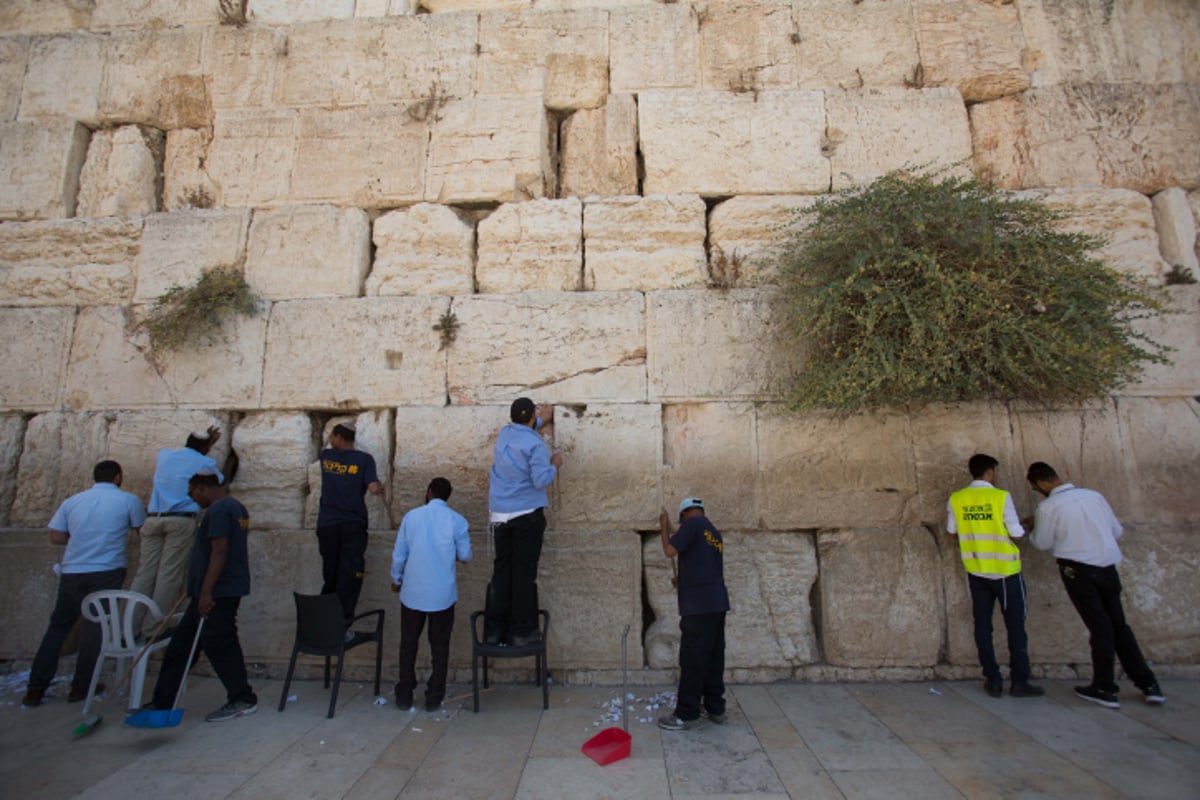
{"x":985,"y":521}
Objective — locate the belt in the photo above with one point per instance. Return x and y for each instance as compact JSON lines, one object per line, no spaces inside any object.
{"x":172,"y":514}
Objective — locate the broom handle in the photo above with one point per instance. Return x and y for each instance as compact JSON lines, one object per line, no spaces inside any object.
{"x":188,"y":666}
{"x":624,"y":681}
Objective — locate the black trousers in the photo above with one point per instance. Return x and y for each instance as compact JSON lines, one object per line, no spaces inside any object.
{"x":412,"y":622}
{"x":1010,"y":592}
{"x":1096,"y":595}
{"x":343,"y":550}
{"x":513,"y":607}
{"x":72,"y":588}
{"x":218,"y":641}
{"x":701,"y":665}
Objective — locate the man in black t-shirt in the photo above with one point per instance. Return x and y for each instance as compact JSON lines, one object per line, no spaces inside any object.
{"x":218,"y":579}
{"x":703,"y":602}
{"x":346,"y":476}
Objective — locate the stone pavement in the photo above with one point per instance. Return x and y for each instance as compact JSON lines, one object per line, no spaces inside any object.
{"x":785,"y":740}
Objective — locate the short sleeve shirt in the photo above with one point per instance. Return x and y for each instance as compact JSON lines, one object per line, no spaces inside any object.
{"x":225,"y":519}
{"x":701,"y":567}
{"x":98,"y":521}
{"x":345,"y":475}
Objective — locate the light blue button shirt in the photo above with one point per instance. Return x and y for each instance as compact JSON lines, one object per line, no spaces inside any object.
{"x":430,"y":541}
{"x":171,"y":475}
{"x":98,"y":521}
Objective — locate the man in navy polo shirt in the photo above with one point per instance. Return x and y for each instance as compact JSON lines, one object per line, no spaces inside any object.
{"x":703,"y":602}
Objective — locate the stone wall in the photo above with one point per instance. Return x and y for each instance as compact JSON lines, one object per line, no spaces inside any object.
{"x":572,"y":182}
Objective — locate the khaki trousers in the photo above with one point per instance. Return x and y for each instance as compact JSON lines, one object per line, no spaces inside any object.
{"x":163,"y":562}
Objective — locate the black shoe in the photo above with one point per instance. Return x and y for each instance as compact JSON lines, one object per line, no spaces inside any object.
{"x":1099,"y":696}
{"x":33,"y":698}
{"x":1026,"y":690}
{"x":994,"y":689}
{"x":1153,"y":694}
{"x":715,"y":719}
{"x":432,"y":705}
{"x":404,"y":700}
{"x":533,"y":637}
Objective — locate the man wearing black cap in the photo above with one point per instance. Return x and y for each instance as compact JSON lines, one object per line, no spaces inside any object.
{"x":346,"y":477}
{"x":703,"y":601}
{"x":522,"y":469}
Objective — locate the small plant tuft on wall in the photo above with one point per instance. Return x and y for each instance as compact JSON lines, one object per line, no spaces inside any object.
{"x":447,"y":328}
{"x":924,"y":288}
{"x":196,"y":314}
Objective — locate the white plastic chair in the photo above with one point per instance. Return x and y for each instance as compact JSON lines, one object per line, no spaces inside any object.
{"x":115,"y":610}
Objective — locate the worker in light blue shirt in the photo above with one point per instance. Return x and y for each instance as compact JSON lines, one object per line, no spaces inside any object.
{"x":431,"y":541}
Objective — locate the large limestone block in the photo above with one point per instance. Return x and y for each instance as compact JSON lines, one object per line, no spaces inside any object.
{"x":186,"y":184}
{"x":1179,"y":329}
{"x":300,"y":252}
{"x":653,"y":46}
{"x":68,"y":262}
{"x":707,"y":344}
{"x":454,"y":442}
{"x":407,"y":59}
{"x":122,"y":175}
{"x":1162,"y":437}
{"x":978,"y":48}
{"x":1101,"y":134}
{"x":770,"y":577}
{"x":38,"y":16}
{"x":367,"y":157}
{"x":426,"y":249}
{"x":749,"y":231}
{"x":14,"y":56}
{"x":112,"y":366}
{"x":489,"y":149}
{"x":135,"y":438}
{"x":40,"y":163}
{"x":700,"y":441}
{"x":874,"y":131}
{"x":1123,"y":218}
{"x":275,"y":448}
{"x":1176,"y":228}
{"x":154,"y":14}
{"x":374,"y":434}
{"x":591,"y":583}
{"x":612,"y":455}
{"x":569,"y":347}
{"x":561,"y":54}
{"x":290,"y":12}
{"x":879,"y":603}
{"x":155,"y":78}
{"x":1084,"y":445}
{"x":718,"y":143}
{"x":747,"y":47}
{"x":244,"y":65}
{"x":871,"y":44}
{"x":178,"y":248}
{"x":944,"y":437}
{"x":532,"y":246}
{"x":644,"y":243}
{"x":383,"y":8}
{"x":384,"y":348}
{"x":34,"y":361}
{"x":63,"y":78}
{"x":599,"y":149}
{"x":821,"y":471}
{"x":1160,"y":574}
{"x":251,"y":157}
{"x":12,"y":434}
{"x":1134,"y":42}
{"x":57,"y":458}
{"x":1194,"y":201}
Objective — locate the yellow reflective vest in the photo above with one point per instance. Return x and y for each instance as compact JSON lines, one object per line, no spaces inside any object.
{"x":986,"y":547}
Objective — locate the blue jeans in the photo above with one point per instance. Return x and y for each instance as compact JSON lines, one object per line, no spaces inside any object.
{"x":1010,"y":592}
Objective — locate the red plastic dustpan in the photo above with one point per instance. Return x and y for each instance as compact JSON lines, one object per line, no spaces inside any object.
{"x":613,"y":744}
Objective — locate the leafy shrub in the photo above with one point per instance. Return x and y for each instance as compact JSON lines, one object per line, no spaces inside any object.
{"x":196,"y":314}
{"x":923,"y":288}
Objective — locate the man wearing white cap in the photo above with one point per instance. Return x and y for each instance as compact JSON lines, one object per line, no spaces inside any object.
{"x":703,"y":602}
{"x":171,"y":519}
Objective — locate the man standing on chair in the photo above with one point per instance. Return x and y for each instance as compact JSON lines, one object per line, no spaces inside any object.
{"x":346,"y":477}
{"x":431,"y":541}
{"x":985,"y":522}
{"x":703,"y":603}
{"x":522,"y":469}
{"x":218,"y":579}
{"x":171,"y":522}
{"x":93,"y":525}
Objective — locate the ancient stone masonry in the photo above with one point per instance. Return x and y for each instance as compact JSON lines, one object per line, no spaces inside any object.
{"x":445,"y":204}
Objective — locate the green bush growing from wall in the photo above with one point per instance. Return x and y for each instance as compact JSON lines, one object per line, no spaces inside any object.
{"x":925,"y":288}
{"x":195,"y":315}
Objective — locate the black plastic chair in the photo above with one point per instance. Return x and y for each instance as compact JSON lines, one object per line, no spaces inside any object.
{"x":479,"y":650}
{"x":321,"y":631}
